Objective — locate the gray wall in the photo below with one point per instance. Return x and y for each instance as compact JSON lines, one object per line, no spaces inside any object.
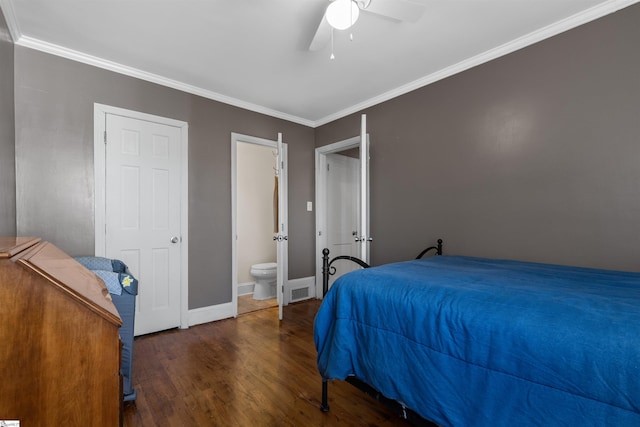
{"x":535,"y":155}
{"x":7,"y":135}
{"x":55,"y":176}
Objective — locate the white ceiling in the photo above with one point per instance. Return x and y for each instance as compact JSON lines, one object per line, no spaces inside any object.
{"x":254,"y":53}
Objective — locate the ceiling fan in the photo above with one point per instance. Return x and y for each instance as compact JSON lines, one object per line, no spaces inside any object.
{"x":342,"y":14}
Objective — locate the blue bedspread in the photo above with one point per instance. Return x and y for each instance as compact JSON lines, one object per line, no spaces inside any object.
{"x":476,"y":342}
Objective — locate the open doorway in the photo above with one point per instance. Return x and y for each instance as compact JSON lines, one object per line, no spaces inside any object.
{"x":339,"y":205}
{"x":258,"y":222}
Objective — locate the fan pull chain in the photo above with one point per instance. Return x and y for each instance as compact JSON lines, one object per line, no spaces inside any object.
{"x":332,"y":55}
{"x":351,"y":20}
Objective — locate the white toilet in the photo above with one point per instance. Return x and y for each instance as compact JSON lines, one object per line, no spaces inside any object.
{"x":265,"y":275}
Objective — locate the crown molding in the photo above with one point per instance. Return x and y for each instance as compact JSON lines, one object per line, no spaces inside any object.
{"x":9,"y":12}
{"x":95,"y":61}
{"x":556,"y":28}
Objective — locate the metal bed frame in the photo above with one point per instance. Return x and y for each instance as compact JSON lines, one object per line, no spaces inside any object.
{"x":398,"y":408}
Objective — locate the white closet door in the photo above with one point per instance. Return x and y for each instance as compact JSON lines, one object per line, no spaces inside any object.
{"x":143,"y":170}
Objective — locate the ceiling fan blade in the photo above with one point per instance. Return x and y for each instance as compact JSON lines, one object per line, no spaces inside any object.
{"x":402,"y":10}
{"x":323,"y":35}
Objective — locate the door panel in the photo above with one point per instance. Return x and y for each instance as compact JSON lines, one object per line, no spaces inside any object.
{"x":282,"y":237}
{"x":365,"y":238}
{"x":343,"y":210}
{"x":143,"y":196}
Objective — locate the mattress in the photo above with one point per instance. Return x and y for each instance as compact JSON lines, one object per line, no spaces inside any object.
{"x":471,"y":341}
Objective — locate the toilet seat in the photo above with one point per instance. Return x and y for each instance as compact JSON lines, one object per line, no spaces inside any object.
{"x":264,"y":266}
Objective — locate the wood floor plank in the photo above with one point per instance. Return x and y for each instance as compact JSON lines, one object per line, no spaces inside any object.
{"x":249,"y":371}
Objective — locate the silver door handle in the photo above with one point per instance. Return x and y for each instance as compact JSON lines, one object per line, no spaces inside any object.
{"x":175,"y":239}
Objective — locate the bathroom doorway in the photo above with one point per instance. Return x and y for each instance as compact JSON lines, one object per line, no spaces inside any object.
{"x":259,"y":227}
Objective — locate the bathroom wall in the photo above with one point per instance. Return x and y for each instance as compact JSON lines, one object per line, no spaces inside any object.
{"x":256,"y":185}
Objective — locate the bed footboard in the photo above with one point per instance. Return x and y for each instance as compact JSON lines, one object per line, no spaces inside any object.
{"x":329,"y":270}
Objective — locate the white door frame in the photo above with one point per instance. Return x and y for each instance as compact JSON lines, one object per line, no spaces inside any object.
{"x":283,"y":216}
{"x":99,"y":164}
{"x":321,"y":197}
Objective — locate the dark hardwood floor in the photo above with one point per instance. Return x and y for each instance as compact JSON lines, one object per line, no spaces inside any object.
{"x":249,"y":371}
{"x":246,"y":304}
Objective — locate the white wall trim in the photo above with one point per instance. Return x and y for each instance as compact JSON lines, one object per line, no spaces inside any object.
{"x":561,"y":26}
{"x":11,"y":19}
{"x":246,"y":288}
{"x":211,"y":313}
{"x":32,"y":43}
{"x":290,"y":285}
{"x":217,"y":312}
{"x":303,"y":282}
{"x":556,"y":28}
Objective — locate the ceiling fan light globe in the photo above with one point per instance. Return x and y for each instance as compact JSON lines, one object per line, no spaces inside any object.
{"x":342,"y":14}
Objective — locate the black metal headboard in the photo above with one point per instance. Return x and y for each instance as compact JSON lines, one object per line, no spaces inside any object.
{"x":329,"y":270}
{"x":437,"y":248}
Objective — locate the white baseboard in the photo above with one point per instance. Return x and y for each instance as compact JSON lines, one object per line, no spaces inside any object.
{"x":299,"y":284}
{"x":211,"y":313}
{"x":246,"y":288}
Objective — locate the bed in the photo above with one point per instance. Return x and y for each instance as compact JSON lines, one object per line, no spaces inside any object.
{"x":464,"y":341}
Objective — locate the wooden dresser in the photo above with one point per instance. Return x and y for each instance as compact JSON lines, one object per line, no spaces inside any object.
{"x":59,"y":343}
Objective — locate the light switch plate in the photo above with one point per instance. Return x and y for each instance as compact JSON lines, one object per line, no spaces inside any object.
{"x":309,"y":206}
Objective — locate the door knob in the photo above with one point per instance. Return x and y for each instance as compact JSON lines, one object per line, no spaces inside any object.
{"x":175,"y":239}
